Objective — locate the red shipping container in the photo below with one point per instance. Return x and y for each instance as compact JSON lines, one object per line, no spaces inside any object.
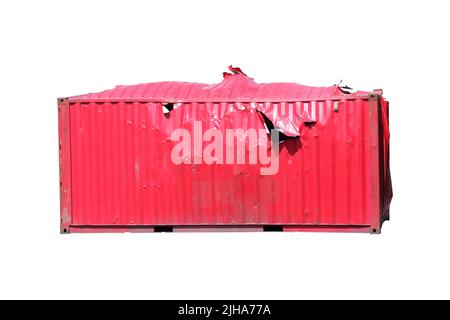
{"x":118,"y":173}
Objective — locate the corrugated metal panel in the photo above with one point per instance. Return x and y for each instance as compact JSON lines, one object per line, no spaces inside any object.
{"x":385,"y":171}
{"x":233,"y":88}
{"x":122,"y":176}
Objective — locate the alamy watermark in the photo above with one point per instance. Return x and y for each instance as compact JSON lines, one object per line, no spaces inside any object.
{"x":211,"y":147}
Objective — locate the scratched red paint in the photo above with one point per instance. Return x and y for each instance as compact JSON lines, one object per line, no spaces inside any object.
{"x":117,"y":174}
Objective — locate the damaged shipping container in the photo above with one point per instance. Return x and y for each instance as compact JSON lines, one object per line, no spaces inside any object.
{"x":236,"y":155}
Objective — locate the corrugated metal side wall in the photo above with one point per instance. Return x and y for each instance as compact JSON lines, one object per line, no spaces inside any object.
{"x":122,"y":173}
{"x":385,"y":172}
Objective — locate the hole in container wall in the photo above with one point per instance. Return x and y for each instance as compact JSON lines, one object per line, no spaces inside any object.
{"x":65,"y":230}
{"x":268,"y":124}
{"x":167,"y":107}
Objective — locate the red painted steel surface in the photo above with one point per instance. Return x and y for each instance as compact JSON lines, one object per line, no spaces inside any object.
{"x":232,"y":88}
{"x":117,"y":173}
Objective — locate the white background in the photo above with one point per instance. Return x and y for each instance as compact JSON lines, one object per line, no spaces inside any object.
{"x":50,"y":49}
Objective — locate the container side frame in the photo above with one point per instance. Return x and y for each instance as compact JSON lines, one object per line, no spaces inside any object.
{"x":374,"y":156}
{"x":65,"y":171}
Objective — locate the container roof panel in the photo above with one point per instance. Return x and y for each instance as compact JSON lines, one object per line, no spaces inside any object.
{"x":235,"y":86}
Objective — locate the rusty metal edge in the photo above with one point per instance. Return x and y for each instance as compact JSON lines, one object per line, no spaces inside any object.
{"x":375,"y":208}
{"x":219,"y":228}
{"x":250,"y":100}
{"x":65,"y":183}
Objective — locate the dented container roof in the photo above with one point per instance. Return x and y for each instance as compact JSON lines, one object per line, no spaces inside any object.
{"x":235,"y":86}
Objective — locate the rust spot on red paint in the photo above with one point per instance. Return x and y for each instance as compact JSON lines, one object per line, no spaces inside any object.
{"x":65,"y":216}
